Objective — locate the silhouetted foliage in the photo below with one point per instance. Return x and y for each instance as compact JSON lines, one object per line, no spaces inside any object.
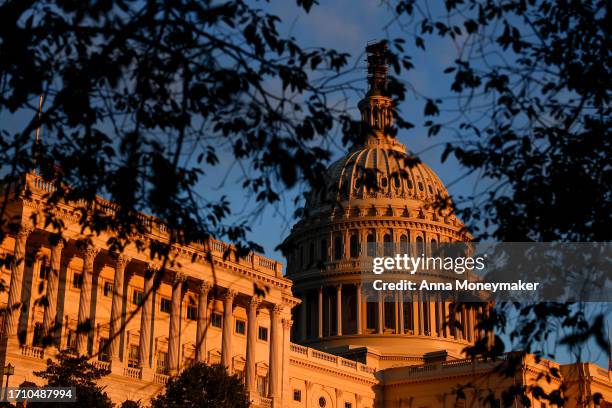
{"x":131,"y":404}
{"x":68,"y":370}
{"x":201,"y":386}
{"x":531,"y":83}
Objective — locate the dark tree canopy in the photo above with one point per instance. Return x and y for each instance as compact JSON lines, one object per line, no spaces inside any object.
{"x":203,"y":386}
{"x":68,"y":370}
{"x":532,"y":86}
{"x":141,"y":97}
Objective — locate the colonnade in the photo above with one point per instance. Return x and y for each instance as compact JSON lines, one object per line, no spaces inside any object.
{"x":206,"y":293}
{"x":384,"y":313}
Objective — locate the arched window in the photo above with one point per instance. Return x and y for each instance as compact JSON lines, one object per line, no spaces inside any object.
{"x":420,"y":248}
{"x":354,"y":244}
{"x":433,"y":246}
{"x":338,"y":247}
{"x":404,"y":244}
{"x":323,"y":250}
{"x":388,"y":245}
{"x":371,"y":244}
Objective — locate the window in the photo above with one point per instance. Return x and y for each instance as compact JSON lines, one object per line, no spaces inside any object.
{"x":421,"y":186}
{"x":420,"y":247}
{"x":216,"y":320}
{"x":103,"y":350}
{"x":192,"y":310}
{"x":108,"y":288}
{"x":240,"y":374}
{"x":371,"y":244}
{"x":38,"y":340}
{"x":404,"y":244}
{"x":71,"y":341}
{"x":77,"y":280}
{"x":240,"y":326}
{"x":354,"y":245}
{"x":297,"y":395}
{"x":43,"y":273}
{"x":262,"y":333}
{"x":165,"y":305}
{"x":262,"y":385}
{"x":348,"y":405}
{"x":322,"y":402}
{"x":162,"y":362}
{"x":133,"y":356}
{"x":323,"y":250}
{"x":388,"y":245}
{"x":338,"y":247}
{"x":137,"y":297}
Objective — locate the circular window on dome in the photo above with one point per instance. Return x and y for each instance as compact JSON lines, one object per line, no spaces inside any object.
{"x":421,"y":186}
{"x":322,"y":402}
{"x":410,"y":185}
{"x":430,"y":190}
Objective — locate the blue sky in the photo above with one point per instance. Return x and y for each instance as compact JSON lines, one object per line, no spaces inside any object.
{"x":347,"y":26}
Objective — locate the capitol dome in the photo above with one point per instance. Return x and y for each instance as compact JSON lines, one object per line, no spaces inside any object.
{"x":377,"y":193}
{"x":379,"y":173}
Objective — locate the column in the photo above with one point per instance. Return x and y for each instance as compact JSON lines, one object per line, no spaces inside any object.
{"x":421,"y":316}
{"x":274,"y":369}
{"x":117,"y":306}
{"x":433,"y":331}
{"x":304,"y":316}
{"x":320,"y":311}
{"x":251,"y":374}
{"x":202,"y":321}
{"x":85,"y":325}
{"x":440,"y":318}
{"x":381,"y":313}
{"x":286,"y":394}
{"x":174,"y":340}
{"x":146,"y":316}
{"x":339,"y":310}
{"x":401,"y":312}
{"x":17,"y":267}
{"x":49,"y":329}
{"x":447,"y":320}
{"x":359,"y":309}
{"x":396,"y":313}
{"x":228,"y":322}
{"x":415,"y":315}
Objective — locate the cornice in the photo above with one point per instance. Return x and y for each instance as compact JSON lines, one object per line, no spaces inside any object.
{"x":308,"y":364}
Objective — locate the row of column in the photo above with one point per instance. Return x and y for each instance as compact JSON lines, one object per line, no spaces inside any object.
{"x":443,"y":319}
{"x":117,"y":323}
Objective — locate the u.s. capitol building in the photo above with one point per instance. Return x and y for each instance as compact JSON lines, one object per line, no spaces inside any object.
{"x":315,"y":340}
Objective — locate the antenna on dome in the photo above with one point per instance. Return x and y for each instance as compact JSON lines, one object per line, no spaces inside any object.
{"x":378,"y":53}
